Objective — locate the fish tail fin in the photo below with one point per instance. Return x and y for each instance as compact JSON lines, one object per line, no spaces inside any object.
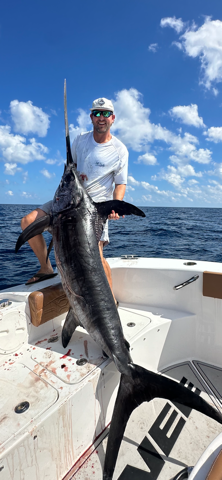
{"x":143,"y":386}
{"x":35,"y":228}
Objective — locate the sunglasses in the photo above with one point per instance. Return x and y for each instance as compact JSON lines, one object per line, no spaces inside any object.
{"x":105,"y":113}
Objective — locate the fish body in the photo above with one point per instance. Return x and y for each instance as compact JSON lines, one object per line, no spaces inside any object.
{"x":76,"y":224}
{"x":76,"y":230}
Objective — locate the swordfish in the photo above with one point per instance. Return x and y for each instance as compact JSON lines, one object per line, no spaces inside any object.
{"x":76,"y":224}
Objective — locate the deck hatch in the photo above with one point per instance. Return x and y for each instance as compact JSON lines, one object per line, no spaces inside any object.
{"x":18,"y":384}
{"x":62,"y":362}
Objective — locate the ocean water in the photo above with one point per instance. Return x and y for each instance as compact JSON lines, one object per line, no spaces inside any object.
{"x":187,"y":233}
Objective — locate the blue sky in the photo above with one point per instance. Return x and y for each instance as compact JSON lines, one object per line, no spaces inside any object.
{"x":161,"y":64}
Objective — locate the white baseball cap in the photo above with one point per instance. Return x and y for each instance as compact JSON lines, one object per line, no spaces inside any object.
{"x":102,"y":104}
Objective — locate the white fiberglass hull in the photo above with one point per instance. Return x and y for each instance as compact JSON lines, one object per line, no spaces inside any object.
{"x":175,"y":332}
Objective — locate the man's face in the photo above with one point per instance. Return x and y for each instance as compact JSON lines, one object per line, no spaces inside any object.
{"x":102,"y":124}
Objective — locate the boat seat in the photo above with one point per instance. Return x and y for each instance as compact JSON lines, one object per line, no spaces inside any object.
{"x":215,"y":472}
{"x":47,"y":303}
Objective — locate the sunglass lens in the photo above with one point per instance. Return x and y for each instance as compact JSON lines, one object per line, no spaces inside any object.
{"x":98,"y":113}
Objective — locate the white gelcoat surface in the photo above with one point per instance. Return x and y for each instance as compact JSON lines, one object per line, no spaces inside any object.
{"x":171,"y":327}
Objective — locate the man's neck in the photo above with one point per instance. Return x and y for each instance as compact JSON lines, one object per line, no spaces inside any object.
{"x":102,"y":137}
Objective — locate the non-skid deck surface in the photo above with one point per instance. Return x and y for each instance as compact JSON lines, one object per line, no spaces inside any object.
{"x":161,"y":438}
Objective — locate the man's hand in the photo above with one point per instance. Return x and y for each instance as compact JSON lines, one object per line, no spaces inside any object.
{"x":118,"y":194}
{"x":114,"y":216}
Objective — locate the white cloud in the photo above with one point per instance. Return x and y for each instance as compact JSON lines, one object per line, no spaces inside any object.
{"x":11,"y":168}
{"x":147,"y":186}
{"x":187,"y":114}
{"x":153,"y":47}
{"x":176,"y":176}
{"x":14,"y":147}
{"x":214,"y":193}
{"x":172,"y":176}
{"x":192,"y":181}
{"x":26,"y":195}
{"x":178,"y":45}
{"x":147,"y":198}
{"x":201,"y":156}
{"x":47,"y":174}
{"x":29,"y":119}
{"x":214,"y":134}
{"x":84,"y":121}
{"x":10,"y":193}
{"x":173,"y":22}
{"x":132,"y":181}
{"x":25,"y":177}
{"x":147,"y":159}
{"x":50,"y":161}
{"x":217,"y":171}
{"x":206,"y":43}
{"x":129,"y":188}
{"x":185,"y":150}
{"x":187,"y":171}
{"x":132,"y":119}
{"x":134,"y":128}
{"x":215,"y":91}
{"x":59,"y":160}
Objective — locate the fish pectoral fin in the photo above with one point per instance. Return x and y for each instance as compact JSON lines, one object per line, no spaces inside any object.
{"x":71,"y":322}
{"x":35,"y":228}
{"x":120,"y":207}
{"x":144,"y":386}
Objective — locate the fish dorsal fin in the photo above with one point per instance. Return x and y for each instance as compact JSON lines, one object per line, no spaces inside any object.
{"x":68,"y":147}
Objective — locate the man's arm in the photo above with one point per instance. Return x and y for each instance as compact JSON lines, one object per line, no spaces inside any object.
{"x":118,"y":194}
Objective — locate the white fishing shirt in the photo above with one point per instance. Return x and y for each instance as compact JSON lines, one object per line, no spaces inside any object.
{"x":99,"y":165}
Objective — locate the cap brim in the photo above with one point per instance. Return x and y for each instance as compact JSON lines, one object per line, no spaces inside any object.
{"x":102,"y":109}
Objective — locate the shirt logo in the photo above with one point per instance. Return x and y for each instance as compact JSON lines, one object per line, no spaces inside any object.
{"x":99,"y":164}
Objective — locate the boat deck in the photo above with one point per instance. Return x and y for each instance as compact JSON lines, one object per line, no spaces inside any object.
{"x":159,"y":441}
{"x":71,"y":391}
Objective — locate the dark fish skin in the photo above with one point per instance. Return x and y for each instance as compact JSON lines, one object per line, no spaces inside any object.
{"x":83,"y":277}
{"x":76,"y":224}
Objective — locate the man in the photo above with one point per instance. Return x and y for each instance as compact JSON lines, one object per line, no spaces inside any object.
{"x":101,"y":160}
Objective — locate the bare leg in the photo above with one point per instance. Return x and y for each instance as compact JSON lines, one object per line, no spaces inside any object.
{"x":37,"y":243}
{"x":107,"y":269}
